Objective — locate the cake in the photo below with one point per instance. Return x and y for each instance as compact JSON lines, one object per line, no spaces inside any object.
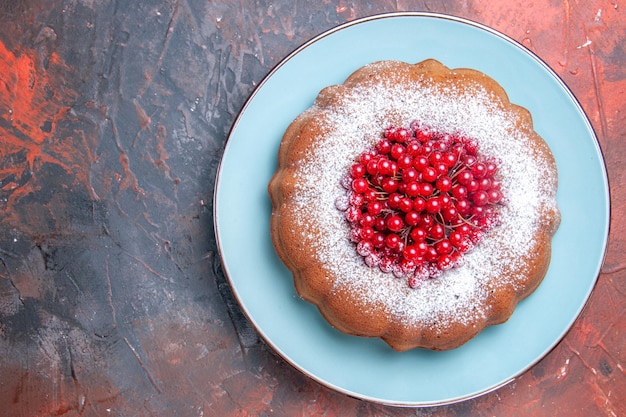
{"x":444,"y":233}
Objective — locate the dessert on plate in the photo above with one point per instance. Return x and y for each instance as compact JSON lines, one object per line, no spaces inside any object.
{"x":414,"y":203}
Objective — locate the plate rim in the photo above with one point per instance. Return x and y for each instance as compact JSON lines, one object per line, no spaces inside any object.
{"x":418,"y":14}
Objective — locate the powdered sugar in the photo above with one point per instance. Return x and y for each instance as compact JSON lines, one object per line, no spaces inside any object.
{"x":356,"y":125}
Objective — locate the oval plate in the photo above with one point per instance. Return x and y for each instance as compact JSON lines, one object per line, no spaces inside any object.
{"x":367,"y":368}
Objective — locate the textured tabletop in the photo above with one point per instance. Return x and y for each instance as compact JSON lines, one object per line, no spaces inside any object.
{"x":113,"y":120}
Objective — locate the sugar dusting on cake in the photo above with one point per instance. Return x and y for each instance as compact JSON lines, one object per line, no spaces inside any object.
{"x":355,"y":126}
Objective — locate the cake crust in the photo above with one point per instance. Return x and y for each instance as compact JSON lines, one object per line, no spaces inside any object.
{"x":313,"y":241}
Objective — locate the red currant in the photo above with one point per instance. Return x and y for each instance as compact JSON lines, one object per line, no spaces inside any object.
{"x":392,"y":240}
{"x":404,"y":162}
{"x":433,"y":205}
{"x":367,"y":220}
{"x":405,"y":205}
{"x":383,"y":147}
{"x":413,"y":189}
{"x":418,"y":234}
{"x":443,"y":247}
{"x":394,"y":200}
{"x":450,"y":214}
{"x":394,"y":223}
{"x":465,"y":177}
{"x":421,"y":162}
{"x":397,"y":151}
{"x":410,"y":253}
{"x":367,"y":233}
{"x":495,"y":196}
{"x":412,"y":218}
{"x":385,"y":167}
{"x":479,"y":170}
{"x":444,"y":262}
{"x":419,"y":200}
{"x":372,"y":167}
{"x":359,"y":185}
{"x":419,"y":204}
{"x":389,"y":185}
{"x":459,"y":192}
{"x":429,"y":174}
{"x":374,"y":207}
{"x":480,"y":198}
{"x":357,"y":170}
{"x":444,"y":184}
{"x":413,"y":147}
{"x":426,"y":189}
{"x":409,"y":175}
{"x":437,"y":232}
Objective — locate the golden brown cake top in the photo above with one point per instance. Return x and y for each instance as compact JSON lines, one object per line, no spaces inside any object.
{"x":348,"y":119}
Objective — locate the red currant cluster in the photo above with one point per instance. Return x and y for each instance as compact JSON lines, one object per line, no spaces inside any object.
{"x":420,"y":200}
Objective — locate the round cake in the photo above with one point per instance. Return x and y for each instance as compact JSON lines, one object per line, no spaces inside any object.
{"x":414,"y":203}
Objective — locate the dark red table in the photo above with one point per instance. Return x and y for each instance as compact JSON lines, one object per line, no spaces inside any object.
{"x":113,"y":119}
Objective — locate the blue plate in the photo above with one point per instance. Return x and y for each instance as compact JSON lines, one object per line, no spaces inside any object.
{"x":367,"y":368}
